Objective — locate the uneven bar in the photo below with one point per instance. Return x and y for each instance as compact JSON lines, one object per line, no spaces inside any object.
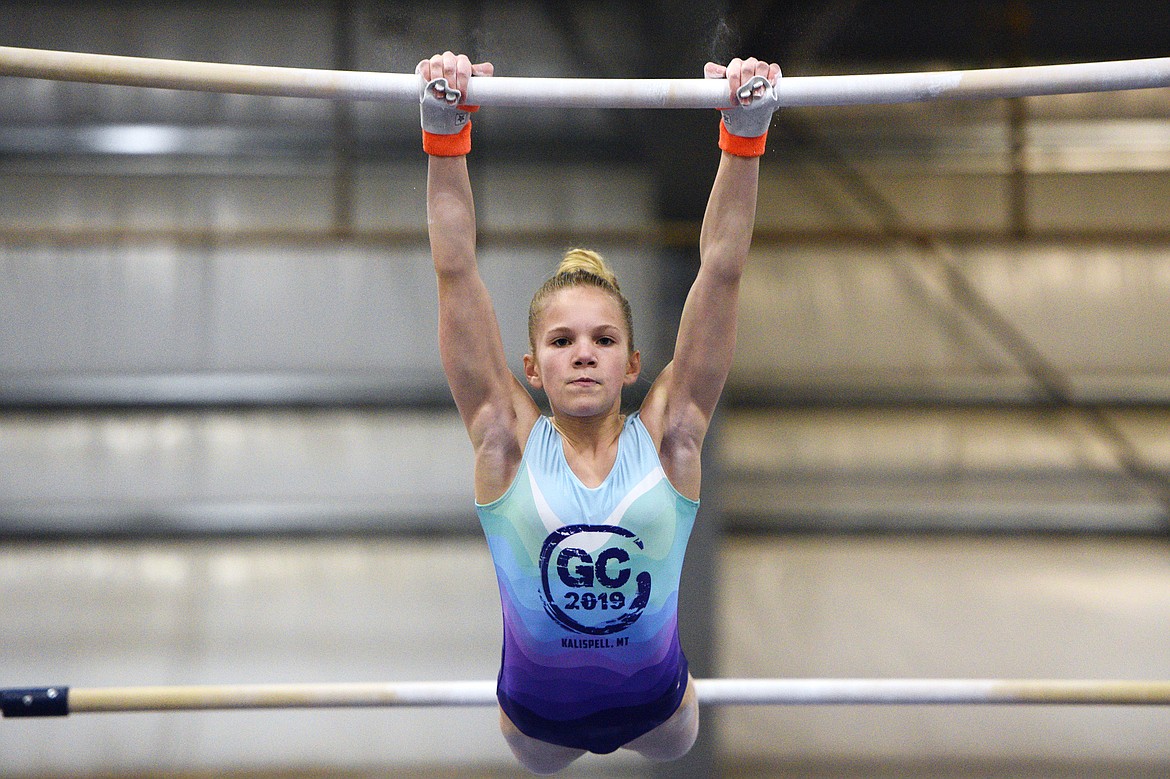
{"x":585,"y":92}
{"x":50,"y":701}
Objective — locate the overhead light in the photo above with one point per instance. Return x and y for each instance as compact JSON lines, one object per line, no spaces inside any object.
{"x":135,"y":139}
{"x":163,"y":140}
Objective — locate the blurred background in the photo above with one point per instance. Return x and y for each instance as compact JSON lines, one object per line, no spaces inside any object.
{"x":228,"y":453}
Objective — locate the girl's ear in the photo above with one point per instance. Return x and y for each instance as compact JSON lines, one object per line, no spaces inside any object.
{"x":532,"y":372}
{"x":633,"y":367}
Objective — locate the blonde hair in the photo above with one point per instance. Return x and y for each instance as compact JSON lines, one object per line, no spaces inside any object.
{"x":579,"y":268}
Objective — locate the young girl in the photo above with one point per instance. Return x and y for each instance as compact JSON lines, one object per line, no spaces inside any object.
{"x":587,"y":512}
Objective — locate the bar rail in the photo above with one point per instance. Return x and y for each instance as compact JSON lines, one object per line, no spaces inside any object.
{"x":61,"y":700}
{"x":584,"y":92}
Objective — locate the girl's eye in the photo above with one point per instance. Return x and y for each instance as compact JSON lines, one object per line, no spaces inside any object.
{"x":560,"y":342}
{"x":605,"y":340}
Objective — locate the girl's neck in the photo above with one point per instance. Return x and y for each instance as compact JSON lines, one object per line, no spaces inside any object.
{"x":589,"y":433}
{"x":590,"y":445}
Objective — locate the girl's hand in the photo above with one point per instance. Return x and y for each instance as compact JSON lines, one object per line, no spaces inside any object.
{"x":456,"y":68}
{"x":740,"y":71}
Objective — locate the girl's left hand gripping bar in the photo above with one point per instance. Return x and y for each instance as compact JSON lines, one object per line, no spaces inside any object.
{"x":35,"y":701}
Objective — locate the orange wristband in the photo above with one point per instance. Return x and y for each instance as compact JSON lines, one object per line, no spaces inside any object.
{"x":448,"y":145}
{"x":740,"y":146}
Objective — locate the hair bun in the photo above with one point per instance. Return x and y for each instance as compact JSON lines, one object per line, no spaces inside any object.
{"x":588,"y":261}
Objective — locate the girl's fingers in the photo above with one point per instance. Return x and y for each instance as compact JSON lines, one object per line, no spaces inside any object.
{"x":734,"y":72}
{"x":462,"y":73}
{"x":450,"y":68}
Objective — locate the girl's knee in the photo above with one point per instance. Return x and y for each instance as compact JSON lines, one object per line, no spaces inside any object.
{"x":675,"y":737}
{"x":537,"y":756}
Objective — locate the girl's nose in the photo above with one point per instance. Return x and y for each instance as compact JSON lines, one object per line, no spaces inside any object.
{"x":584,"y":356}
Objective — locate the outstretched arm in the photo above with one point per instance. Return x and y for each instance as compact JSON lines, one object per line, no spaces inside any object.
{"x":469,"y":341}
{"x":684,"y":397}
{"x":490,"y":400}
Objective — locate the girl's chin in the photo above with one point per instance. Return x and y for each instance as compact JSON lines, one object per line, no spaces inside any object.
{"x":582,"y":410}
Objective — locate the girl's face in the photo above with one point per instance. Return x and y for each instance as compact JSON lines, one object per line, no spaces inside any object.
{"x":582,"y":359}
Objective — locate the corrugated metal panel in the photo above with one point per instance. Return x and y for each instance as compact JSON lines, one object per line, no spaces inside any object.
{"x":943,"y":469}
{"x":1002,"y":608}
{"x":839,"y":320}
{"x":216,"y":472}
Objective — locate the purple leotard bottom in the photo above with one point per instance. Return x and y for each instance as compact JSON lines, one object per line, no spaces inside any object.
{"x":603,"y":731}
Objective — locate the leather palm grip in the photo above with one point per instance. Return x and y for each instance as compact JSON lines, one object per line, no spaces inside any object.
{"x":743,"y":130}
{"x":446,"y":125}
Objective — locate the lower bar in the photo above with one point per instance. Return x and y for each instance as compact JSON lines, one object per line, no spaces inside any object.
{"x":58,"y":701}
{"x":771,"y":692}
{"x":283,"y":696}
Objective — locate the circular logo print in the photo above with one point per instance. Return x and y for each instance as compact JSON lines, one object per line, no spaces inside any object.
{"x":589,"y":577}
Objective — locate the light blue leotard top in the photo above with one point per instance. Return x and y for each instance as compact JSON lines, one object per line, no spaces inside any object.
{"x":588,"y":583}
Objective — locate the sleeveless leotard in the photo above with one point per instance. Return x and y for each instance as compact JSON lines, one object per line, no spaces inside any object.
{"x":588,"y":583}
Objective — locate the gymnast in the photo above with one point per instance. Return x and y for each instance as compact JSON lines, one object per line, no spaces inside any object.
{"x":587,"y":512}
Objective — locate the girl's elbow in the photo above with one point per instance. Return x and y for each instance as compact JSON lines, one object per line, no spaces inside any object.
{"x":725,"y":271}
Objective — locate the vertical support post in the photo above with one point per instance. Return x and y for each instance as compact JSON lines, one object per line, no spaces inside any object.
{"x":343,"y":132}
{"x":1018,"y":173}
{"x":1017,"y":20}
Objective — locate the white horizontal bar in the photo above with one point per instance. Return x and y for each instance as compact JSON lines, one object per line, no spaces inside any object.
{"x":772,"y":692}
{"x":580,"y":93}
{"x":206,"y":76}
{"x":282,"y":696}
{"x":711,"y":692}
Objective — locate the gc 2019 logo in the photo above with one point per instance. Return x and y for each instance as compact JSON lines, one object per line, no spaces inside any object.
{"x":597,"y":592}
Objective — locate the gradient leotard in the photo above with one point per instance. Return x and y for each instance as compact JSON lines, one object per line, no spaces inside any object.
{"x":589,"y":590}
